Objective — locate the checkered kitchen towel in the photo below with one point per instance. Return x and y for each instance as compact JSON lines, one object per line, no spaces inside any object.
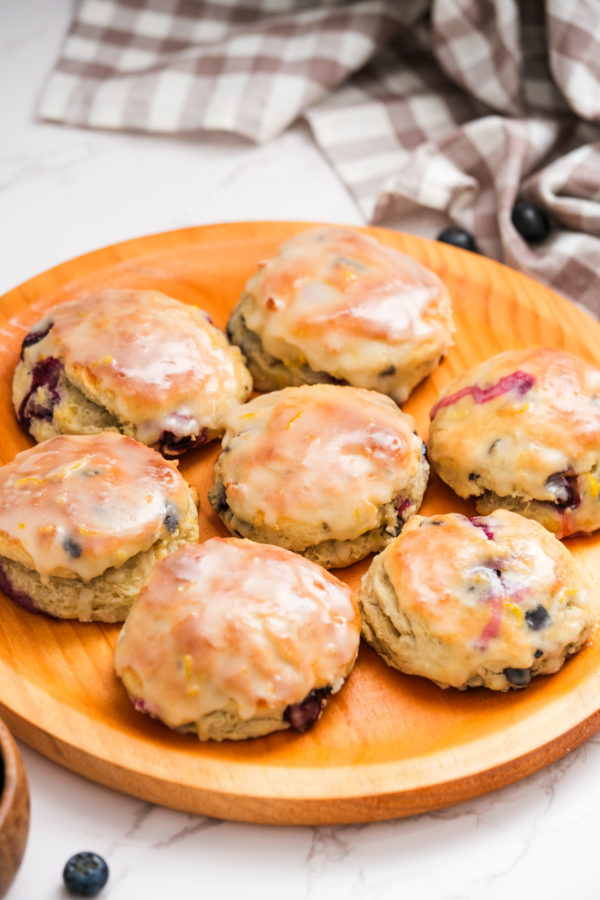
{"x":445,"y":106}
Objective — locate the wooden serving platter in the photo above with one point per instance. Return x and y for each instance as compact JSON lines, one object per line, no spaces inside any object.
{"x":388,"y":745}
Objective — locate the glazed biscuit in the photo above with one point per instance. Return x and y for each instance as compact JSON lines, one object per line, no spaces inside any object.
{"x":490,"y":601}
{"x":338,"y":306}
{"x":522,"y":431}
{"x":83,"y":518}
{"x":137,"y":362}
{"x":231,"y":640}
{"x":328,"y":471}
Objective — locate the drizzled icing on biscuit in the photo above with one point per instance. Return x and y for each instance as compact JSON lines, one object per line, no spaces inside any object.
{"x":351,"y":305}
{"x":151,"y":360}
{"x":77,"y":505}
{"x":234,"y":621}
{"x":317,"y":454}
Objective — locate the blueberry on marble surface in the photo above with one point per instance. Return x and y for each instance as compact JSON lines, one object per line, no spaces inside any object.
{"x":530,"y":221}
{"x":85,"y":874}
{"x":458,"y":237}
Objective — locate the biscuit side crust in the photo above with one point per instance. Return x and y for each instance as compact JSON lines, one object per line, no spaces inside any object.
{"x":330,"y":553}
{"x":106,"y":598}
{"x":403,"y":642}
{"x":271,"y":374}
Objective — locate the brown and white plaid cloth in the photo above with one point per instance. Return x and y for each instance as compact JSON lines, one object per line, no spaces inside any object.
{"x":448,"y":106}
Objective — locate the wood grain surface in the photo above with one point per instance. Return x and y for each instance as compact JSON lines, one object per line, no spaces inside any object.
{"x":388,"y":745}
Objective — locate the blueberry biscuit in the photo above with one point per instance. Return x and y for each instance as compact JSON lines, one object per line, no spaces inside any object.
{"x":83,"y":518}
{"x":231,"y":640}
{"x":338,"y":306}
{"x":489,"y":601}
{"x":522,"y":431}
{"x":137,"y":362}
{"x":331,"y":472}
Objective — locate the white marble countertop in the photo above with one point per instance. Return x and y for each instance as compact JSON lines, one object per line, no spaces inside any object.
{"x":65,"y":192}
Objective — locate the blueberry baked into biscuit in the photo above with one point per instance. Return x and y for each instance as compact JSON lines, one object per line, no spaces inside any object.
{"x":522,"y":431}
{"x":137,"y":362}
{"x":338,"y":306}
{"x":231,"y":640}
{"x":491,"y":601}
{"x":83,"y":518}
{"x":328,"y":471}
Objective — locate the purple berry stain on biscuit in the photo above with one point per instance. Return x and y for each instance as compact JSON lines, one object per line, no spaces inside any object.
{"x":564,"y":487}
{"x":19,"y":597}
{"x":170,"y":445}
{"x":45,"y":374}
{"x":302,"y":716}
{"x":519,"y":382}
{"x":34,"y":337}
{"x":484,"y":524}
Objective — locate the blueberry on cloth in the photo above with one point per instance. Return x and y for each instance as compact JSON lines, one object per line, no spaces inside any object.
{"x":458,"y":237}
{"x":85,"y":874}
{"x":530,"y":221}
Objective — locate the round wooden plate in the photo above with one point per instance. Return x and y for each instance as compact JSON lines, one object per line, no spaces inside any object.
{"x":388,"y":745}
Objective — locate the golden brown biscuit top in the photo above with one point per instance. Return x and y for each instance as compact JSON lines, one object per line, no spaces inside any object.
{"x":517,"y":419}
{"x":347,"y":302}
{"x":486,"y":583}
{"x":151,"y":360}
{"x":77,"y":505}
{"x":232,"y":620}
{"x":317,"y":453}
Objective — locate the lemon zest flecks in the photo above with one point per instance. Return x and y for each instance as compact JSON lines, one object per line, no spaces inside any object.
{"x":514,"y":610}
{"x":293,"y":419}
{"x":592,"y":486}
{"x":29,"y":480}
{"x":187,"y":665}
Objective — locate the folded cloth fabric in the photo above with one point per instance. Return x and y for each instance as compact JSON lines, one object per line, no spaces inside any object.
{"x":453,"y":107}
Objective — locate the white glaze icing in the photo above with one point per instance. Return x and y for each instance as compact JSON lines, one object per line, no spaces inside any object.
{"x":76,"y":505}
{"x":322,"y":457}
{"x":517,"y":439}
{"x":348,"y":305}
{"x":232,"y":620}
{"x":470,"y":591}
{"x":151,"y":360}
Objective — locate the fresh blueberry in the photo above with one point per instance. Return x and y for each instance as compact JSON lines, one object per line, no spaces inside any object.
{"x":564,"y":487}
{"x":34,"y":337}
{"x":45,"y":374}
{"x":72,"y":548}
{"x":171,"y":519}
{"x":530,"y":221}
{"x":458,"y":237}
{"x":537,"y":618}
{"x":85,"y":874}
{"x":171,"y":446}
{"x":301,"y":716}
{"x":518,"y":677}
